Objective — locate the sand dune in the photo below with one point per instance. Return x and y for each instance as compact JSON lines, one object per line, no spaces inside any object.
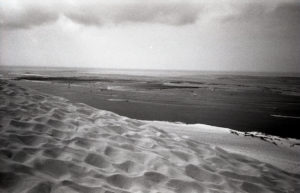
{"x":48,"y":144}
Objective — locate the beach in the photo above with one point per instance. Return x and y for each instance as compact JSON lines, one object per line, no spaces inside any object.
{"x":50,"y":144}
{"x":267,"y":104}
{"x":139,"y":96}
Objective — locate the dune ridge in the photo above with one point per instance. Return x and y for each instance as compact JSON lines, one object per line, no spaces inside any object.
{"x":48,"y":144}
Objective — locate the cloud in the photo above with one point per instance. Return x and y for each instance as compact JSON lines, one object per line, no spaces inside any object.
{"x":288,"y":11}
{"x":282,"y":19}
{"x":30,"y":17}
{"x":165,"y":13}
{"x":26,"y":15}
{"x":15,"y":14}
{"x":169,"y":34}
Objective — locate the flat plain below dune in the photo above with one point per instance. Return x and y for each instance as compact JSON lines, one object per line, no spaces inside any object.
{"x":240,"y":103}
{"x":48,"y":144}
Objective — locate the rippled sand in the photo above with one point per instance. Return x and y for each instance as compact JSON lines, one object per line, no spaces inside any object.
{"x":48,"y":144}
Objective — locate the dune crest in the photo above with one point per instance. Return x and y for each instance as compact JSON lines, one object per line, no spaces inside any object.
{"x":48,"y":144}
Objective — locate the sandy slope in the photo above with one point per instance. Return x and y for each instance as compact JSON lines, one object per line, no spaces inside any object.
{"x":280,"y":152}
{"x":48,"y":144}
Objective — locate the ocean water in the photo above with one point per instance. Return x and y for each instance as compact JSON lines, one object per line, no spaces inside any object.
{"x":245,"y":101}
{"x":73,"y":71}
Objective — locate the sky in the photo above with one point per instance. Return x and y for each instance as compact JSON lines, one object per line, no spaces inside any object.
{"x":223,"y":35}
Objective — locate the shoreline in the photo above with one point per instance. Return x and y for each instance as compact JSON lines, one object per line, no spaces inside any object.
{"x":65,"y":147}
{"x":278,"y":151}
{"x":136,"y":98}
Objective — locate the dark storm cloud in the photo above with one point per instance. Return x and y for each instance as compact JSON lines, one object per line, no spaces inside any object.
{"x":221,"y":35}
{"x":287,"y":14}
{"x":283,"y":11}
{"x":26,"y":18}
{"x":169,"y":13}
{"x":246,"y":12}
{"x":164,"y":13}
{"x":281,"y":20}
{"x":28,"y":13}
{"x":285,"y":19}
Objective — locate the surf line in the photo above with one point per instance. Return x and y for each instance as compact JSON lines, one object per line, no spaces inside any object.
{"x":285,"y":116}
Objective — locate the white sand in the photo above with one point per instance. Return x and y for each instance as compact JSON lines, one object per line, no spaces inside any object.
{"x":48,"y":144}
{"x":280,"y":152}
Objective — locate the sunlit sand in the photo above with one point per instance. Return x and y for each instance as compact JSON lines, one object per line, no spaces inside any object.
{"x":51,"y":145}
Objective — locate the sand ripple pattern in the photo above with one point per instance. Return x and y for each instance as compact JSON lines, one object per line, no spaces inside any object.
{"x":48,"y":144}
